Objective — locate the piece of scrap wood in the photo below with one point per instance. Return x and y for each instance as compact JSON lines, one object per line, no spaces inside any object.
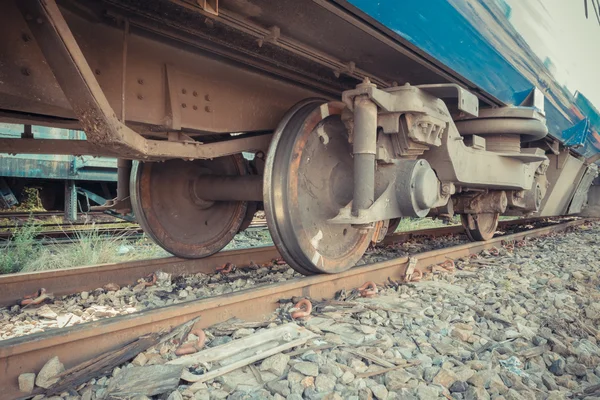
{"x":241,"y":352}
{"x":106,"y":362}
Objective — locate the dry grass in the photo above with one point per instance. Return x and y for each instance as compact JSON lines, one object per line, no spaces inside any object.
{"x":25,"y":254}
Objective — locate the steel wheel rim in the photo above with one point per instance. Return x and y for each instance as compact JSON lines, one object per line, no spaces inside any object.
{"x":293,"y":228}
{"x":485,"y":226}
{"x":210,"y":238}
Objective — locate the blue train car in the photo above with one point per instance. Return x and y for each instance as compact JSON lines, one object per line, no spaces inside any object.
{"x":60,"y":179}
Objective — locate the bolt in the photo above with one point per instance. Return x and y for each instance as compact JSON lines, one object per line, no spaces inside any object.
{"x":207,"y":109}
{"x":140,"y":97}
{"x":39,"y":20}
{"x":207,"y":97}
{"x":195,"y":94}
{"x":183,"y":105}
{"x":141,"y":81}
{"x":183,"y":91}
{"x":26,"y":37}
{"x":25,"y":71}
{"x":97,"y":71}
{"x":195,"y":107}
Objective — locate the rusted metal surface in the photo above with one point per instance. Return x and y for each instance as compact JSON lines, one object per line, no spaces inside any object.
{"x":73,"y":345}
{"x":72,"y":280}
{"x":174,"y":213}
{"x":90,"y":101}
{"x":308,"y":177}
{"x":398,"y":237}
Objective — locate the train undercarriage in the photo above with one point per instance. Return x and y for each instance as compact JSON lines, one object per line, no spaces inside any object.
{"x":349,"y":128}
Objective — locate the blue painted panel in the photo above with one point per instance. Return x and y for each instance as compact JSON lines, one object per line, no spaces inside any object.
{"x":477,"y":41}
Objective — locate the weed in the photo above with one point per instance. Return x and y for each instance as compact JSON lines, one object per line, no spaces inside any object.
{"x":92,"y":248}
{"x":21,"y":250}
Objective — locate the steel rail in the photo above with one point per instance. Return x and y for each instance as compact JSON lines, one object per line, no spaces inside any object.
{"x":456,"y":229}
{"x":72,"y":280}
{"x":80,"y":343}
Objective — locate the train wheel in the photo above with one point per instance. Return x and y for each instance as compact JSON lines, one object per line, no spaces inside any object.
{"x":480,"y":227}
{"x":168,"y":205}
{"x":308,"y":178}
{"x":392,"y":226}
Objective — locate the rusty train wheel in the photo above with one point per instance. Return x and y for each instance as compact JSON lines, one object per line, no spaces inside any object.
{"x":480,"y":227}
{"x":308,"y":178}
{"x":393,"y":225}
{"x":170,"y":208}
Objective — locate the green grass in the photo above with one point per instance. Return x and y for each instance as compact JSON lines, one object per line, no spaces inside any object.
{"x":24,"y":254}
{"x":413,"y":224}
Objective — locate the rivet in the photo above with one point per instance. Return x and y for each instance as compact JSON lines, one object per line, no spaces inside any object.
{"x":28,"y":17}
{"x":97,"y":71}
{"x":207,"y":97}
{"x":207,"y":109}
{"x":183,"y":91}
{"x":141,"y":81}
{"x":39,"y":20}
{"x":183,"y":105}
{"x":195,"y":94}
{"x":25,"y":71}
{"x":140,"y":97}
{"x":26,"y":37}
{"x":195,"y":107}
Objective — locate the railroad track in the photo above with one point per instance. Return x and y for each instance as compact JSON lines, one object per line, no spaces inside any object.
{"x":79,"y":343}
{"x":69,"y":232}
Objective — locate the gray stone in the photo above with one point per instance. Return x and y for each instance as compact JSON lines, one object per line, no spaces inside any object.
{"x":445,"y":377}
{"x":310,"y":393}
{"x":459,"y":387}
{"x":282,"y":387}
{"x":429,"y":373}
{"x":379,"y":391}
{"x":176,"y":395}
{"x":306,"y":368}
{"x":275,"y":364}
{"x":395,"y":380}
{"x":476,"y":393}
{"x":549,"y":382}
{"x":576,"y":369}
{"x":294,"y":396}
{"x":324,"y":383}
{"x":26,"y":382}
{"x":427,"y":392}
{"x":47,"y":375}
{"x":347,"y":377}
{"x":557,"y":367}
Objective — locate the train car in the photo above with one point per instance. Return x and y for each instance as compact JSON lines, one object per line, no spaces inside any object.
{"x":64,"y":182}
{"x":357,"y":112}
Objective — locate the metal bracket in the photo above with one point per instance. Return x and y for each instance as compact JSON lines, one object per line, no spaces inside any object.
{"x":396,"y":99}
{"x":98,"y":119}
{"x":467,"y":101}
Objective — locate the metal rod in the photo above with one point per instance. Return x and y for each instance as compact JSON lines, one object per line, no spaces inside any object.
{"x":364,"y":149}
{"x":229,"y":188}
{"x":124,"y":70}
{"x":123,"y":175}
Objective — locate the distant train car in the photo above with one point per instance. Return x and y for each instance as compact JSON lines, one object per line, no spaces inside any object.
{"x":64,"y":182}
{"x":358,"y":112}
